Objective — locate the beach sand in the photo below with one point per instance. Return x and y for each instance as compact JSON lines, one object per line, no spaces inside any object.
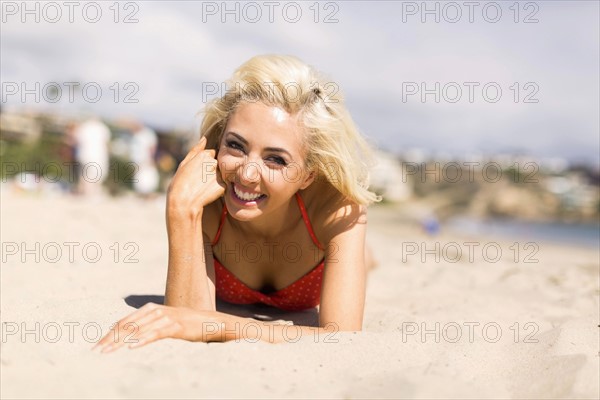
{"x":522,"y":326}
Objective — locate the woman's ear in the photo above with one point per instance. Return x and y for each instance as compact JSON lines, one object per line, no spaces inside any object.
{"x":308,"y":180}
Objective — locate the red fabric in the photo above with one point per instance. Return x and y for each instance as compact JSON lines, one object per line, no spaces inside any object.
{"x":302,"y":294}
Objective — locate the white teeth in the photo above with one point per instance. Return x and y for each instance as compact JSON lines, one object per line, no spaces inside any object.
{"x":245,"y":196}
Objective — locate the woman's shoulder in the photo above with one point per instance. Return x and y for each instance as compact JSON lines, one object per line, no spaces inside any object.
{"x":211,"y":219}
{"x":330,"y":212}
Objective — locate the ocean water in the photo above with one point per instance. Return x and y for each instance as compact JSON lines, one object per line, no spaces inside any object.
{"x":585,"y":235}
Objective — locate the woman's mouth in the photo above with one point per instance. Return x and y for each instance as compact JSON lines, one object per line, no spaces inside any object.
{"x":244,"y":196}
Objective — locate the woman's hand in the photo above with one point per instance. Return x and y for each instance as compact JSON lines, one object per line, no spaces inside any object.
{"x":153,"y":322}
{"x":196,"y":182}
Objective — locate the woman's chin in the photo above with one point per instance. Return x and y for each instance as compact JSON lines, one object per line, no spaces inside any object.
{"x":243,"y":210}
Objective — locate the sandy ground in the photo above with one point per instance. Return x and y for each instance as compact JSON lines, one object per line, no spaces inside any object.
{"x":461,"y":326}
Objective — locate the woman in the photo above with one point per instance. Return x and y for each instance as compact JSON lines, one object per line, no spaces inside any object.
{"x":269,"y":207}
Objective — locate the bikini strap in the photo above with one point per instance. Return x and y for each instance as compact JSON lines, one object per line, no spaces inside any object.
{"x":307,"y":221}
{"x":304,"y":217}
{"x":223,"y":215}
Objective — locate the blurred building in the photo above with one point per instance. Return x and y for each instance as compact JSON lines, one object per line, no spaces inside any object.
{"x":19,"y":127}
{"x":387,"y":178}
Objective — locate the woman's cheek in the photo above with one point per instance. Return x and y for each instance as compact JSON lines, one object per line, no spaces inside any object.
{"x":227,"y":165}
{"x":292,"y":173}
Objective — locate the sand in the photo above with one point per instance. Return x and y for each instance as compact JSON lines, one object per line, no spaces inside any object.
{"x":501,"y":328}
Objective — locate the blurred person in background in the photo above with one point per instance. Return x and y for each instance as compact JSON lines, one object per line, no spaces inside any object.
{"x":68,"y":155}
{"x":142,"y":153}
{"x":92,"y":139}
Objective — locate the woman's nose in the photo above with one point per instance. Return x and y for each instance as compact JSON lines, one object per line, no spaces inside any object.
{"x":250,"y":172}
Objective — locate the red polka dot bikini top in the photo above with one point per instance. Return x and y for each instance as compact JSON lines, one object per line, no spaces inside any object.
{"x":302,"y":294}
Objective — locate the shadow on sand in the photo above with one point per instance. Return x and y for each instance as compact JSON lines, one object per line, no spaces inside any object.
{"x":257,"y":311}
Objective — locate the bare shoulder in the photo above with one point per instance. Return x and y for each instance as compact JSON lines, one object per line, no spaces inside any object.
{"x":330,"y":212}
{"x":211,"y":218}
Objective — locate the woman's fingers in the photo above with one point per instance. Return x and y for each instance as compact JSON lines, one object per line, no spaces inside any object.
{"x":119,"y":332}
{"x":155,"y":322}
{"x":148,"y":324}
{"x":194,"y":151}
{"x":152,"y":326}
{"x":220,"y":180}
{"x":212,"y":153}
{"x":143,"y":332}
{"x":194,"y":182}
{"x":124,"y":326}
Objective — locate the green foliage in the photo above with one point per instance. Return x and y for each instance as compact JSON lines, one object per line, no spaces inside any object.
{"x":121,"y":175}
{"x":41,"y":157}
{"x":52,"y":158}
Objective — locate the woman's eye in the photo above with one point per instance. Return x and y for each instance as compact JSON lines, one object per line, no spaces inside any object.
{"x":277,"y":160}
{"x":234,"y":145}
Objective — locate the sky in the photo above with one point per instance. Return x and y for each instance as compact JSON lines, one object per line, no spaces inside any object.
{"x":451,"y":78}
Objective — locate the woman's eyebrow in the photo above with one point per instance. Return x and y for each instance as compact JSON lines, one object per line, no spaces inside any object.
{"x":239,"y":137}
{"x":274,"y":149}
{"x":278,"y":150}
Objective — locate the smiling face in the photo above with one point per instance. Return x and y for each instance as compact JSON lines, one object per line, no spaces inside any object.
{"x":261,"y":159}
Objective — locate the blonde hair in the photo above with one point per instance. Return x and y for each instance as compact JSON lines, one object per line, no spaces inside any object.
{"x":335,"y":149}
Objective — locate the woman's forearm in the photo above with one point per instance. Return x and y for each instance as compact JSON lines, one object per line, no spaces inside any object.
{"x":187,"y":281}
{"x":231,"y":327}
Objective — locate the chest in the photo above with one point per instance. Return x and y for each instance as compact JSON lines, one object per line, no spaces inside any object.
{"x":268,"y":264}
